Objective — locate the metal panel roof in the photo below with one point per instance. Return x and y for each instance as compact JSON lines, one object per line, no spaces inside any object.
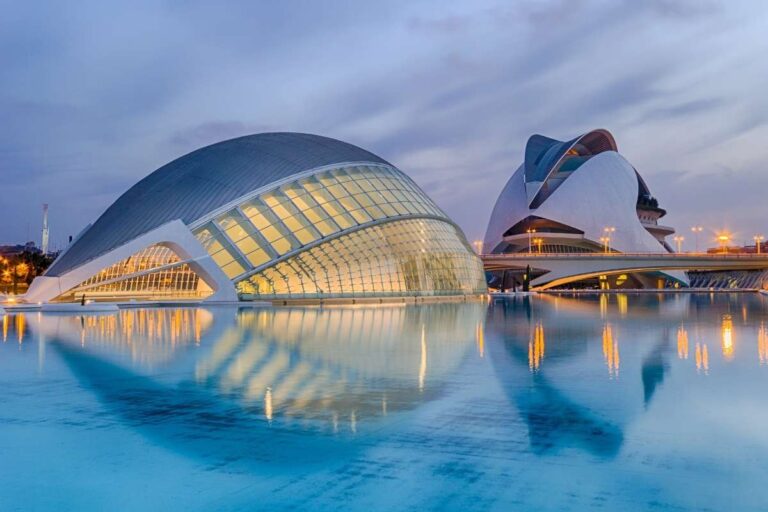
{"x":199,"y":182}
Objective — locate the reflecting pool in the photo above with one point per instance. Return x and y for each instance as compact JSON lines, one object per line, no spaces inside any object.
{"x":612,"y":402}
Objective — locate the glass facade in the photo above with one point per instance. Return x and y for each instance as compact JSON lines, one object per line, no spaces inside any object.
{"x":734,"y":279}
{"x":258,"y":243}
{"x":154,"y":272}
{"x":400,"y":258}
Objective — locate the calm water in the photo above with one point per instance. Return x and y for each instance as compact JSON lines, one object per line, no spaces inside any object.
{"x":621,"y":402}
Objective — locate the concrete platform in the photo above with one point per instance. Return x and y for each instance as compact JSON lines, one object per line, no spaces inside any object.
{"x":94,"y":307}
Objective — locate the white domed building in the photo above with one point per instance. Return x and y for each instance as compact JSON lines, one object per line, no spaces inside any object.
{"x":576,"y":196}
{"x":273,"y":216}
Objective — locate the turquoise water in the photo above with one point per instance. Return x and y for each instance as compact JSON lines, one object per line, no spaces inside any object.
{"x":612,"y":402}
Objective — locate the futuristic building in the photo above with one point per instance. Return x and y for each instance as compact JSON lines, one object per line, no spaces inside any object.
{"x":578,"y":196}
{"x":266,"y":217}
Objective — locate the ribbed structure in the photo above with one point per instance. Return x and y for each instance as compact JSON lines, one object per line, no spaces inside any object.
{"x":202,"y":181}
{"x":542,"y":154}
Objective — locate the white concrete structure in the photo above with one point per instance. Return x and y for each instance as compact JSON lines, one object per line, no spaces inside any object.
{"x":575,"y":197}
{"x":562,"y":269}
{"x":272,"y":216}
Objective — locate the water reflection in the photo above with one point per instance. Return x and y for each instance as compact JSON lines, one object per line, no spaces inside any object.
{"x":682,"y":343}
{"x":263,"y":374}
{"x":727,"y":335}
{"x":536,"y":347}
{"x":702,"y":358}
{"x":149,"y":336}
{"x":576,"y":371}
{"x":554,"y":420}
{"x":610,"y":351}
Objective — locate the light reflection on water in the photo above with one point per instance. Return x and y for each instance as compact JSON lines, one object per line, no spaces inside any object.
{"x":549,"y":402}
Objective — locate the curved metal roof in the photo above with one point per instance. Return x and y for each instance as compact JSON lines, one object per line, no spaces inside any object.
{"x":203,"y":180}
{"x":542,"y":154}
{"x":544,"y":157}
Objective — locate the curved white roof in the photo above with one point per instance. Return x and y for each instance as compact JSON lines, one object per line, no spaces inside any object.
{"x":202,"y":181}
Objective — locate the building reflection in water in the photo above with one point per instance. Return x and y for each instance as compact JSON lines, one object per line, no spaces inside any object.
{"x":516,"y":331}
{"x":301,"y":368}
{"x":14,"y":326}
{"x":148,"y":335}
{"x":20,"y":327}
{"x":480,"y":338}
{"x":682,"y":343}
{"x":727,"y":336}
{"x":623,"y":303}
{"x":762,"y":344}
{"x":336,"y":364}
{"x":536,"y":347}
{"x":305,"y":363}
{"x":702,"y":358}
{"x":611,"y":351}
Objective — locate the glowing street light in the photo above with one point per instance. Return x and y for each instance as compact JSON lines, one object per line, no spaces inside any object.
{"x":605,"y":240}
{"x":530,"y":231}
{"x":679,"y":241}
{"x":478,"y":246}
{"x":538,"y":242}
{"x":608,"y":231}
{"x":723,"y":239}
{"x":758,"y":239}
{"x":696,"y":230}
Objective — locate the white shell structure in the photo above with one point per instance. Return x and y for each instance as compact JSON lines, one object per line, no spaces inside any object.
{"x":577,"y":196}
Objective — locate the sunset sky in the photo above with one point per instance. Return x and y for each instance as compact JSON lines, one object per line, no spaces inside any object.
{"x":94,"y":96}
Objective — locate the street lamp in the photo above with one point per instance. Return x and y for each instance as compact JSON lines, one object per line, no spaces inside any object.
{"x":696,"y":230}
{"x":605,"y":240}
{"x":723,"y":240}
{"x":538,"y":242}
{"x":530,"y":231}
{"x":479,"y":246}
{"x":679,"y":241}
{"x":608,"y":231}
{"x":758,"y":239}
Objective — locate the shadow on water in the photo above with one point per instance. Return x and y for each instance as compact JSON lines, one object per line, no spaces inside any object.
{"x":554,"y":421}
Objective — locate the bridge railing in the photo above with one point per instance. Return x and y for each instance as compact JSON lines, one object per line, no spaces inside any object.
{"x":592,"y":255}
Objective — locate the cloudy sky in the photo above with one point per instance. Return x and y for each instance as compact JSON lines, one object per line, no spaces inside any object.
{"x":95,"y":95}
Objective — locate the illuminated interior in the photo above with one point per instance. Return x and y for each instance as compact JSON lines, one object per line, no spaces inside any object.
{"x":154,"y":272}
{"x":349,"y":232}
{"x":408,"y":257}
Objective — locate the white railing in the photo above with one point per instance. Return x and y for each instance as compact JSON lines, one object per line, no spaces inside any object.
{"x":644,"y":255}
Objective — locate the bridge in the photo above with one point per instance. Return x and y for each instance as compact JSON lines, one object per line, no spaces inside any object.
{"x":564,"y":268}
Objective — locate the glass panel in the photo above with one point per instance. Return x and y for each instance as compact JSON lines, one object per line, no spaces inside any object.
{"x":168,"y":281}
{"x":308,"y":209}
{"x":413,"y":257}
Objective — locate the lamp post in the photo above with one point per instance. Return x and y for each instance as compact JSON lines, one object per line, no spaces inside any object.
{"x":696,"y":230}
{"x":723,"y":239}
{"x":530,"y":232}
{"x":538,"y":242}
{"x":608,"y":231}
{"x":605,"y":240}
{"x":758,"y":239}
{"x":479,"y":247}
{"x":679,"y":241}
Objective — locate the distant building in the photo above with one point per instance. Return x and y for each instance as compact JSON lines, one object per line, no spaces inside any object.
{"x":13,"y":250}
{"x":745,"y":249}
{"x":736,"y":279}
{"x":274,"y":216}
{"x":574,"y":196}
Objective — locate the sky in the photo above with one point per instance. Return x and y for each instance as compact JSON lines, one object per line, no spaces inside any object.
{"x":96,"y":95}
